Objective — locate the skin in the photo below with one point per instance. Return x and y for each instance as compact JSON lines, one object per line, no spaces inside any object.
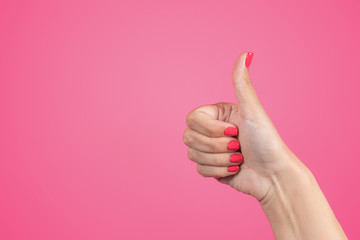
{"x":285,"y":188}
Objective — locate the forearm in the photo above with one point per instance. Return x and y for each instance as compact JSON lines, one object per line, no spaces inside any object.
{"x":296,"y":207}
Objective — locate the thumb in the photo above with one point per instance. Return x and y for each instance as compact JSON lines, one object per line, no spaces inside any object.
{"x":249,"y":105}
{"x":243,"y":88}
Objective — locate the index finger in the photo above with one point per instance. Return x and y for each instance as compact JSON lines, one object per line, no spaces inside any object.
{"x":205,"y":121}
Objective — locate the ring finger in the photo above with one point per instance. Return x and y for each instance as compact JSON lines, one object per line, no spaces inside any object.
{"x":215,"y":159}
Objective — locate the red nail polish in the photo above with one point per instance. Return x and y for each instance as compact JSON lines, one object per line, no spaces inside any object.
{"x":236,"y":158}
{"x":233,"y":145}
{"x":249,"y":58}
{"x":230,"y":131}
{"x":234,"y":168}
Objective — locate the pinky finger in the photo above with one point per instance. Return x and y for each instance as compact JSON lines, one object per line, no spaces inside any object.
{"x":217,"y":172}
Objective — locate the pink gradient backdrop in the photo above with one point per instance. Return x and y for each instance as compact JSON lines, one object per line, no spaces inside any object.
{"x":93,"y":99}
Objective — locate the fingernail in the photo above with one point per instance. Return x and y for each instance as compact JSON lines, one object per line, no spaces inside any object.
{"x":234,"y":168}
{"x":233,"y":145}
{"x":231,"y":131}
{"x":249,"y":58}
{"x":236,"y":158}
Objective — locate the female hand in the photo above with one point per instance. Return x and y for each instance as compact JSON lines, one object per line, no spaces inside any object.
{"x":216,"y":132}
{"x":239,"y":145}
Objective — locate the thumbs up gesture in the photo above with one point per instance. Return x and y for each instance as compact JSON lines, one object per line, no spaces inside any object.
{"x":237,"y":143}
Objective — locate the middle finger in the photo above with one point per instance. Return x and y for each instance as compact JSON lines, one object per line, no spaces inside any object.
{"x":203,"y":143}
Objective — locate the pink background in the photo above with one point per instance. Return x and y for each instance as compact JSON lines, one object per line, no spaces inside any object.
{"x":93,"y":99}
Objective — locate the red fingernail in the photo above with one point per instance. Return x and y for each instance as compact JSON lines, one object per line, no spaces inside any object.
{"x":230,"y":131}
{"x":249,"y":58}
{"x":234,"y":168}
{"x":236,"y":158}
{"x":233,"y":145}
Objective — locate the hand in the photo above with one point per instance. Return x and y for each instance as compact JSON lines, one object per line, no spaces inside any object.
{"x":224,"y":136}
{"x":215,"y":131}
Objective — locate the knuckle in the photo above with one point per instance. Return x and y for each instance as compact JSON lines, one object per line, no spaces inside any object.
{"x":248,"y":82}
{"x":193,"y":115}
{"x":200,"y":170}
{"x":215,"y":145}
{"x":218,"y":173}
{"x":187,"y":138}
{"x":212,"y":133}
{"x":190,"y":119}
{"x":217,"y":161}
{"x":184,"y":136}
{"x":191,"y":154}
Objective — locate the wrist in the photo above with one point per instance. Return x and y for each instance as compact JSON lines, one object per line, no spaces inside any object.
{"x":287,"y":187}
{"x":296,"y":207}
{"x":294,"y":176}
